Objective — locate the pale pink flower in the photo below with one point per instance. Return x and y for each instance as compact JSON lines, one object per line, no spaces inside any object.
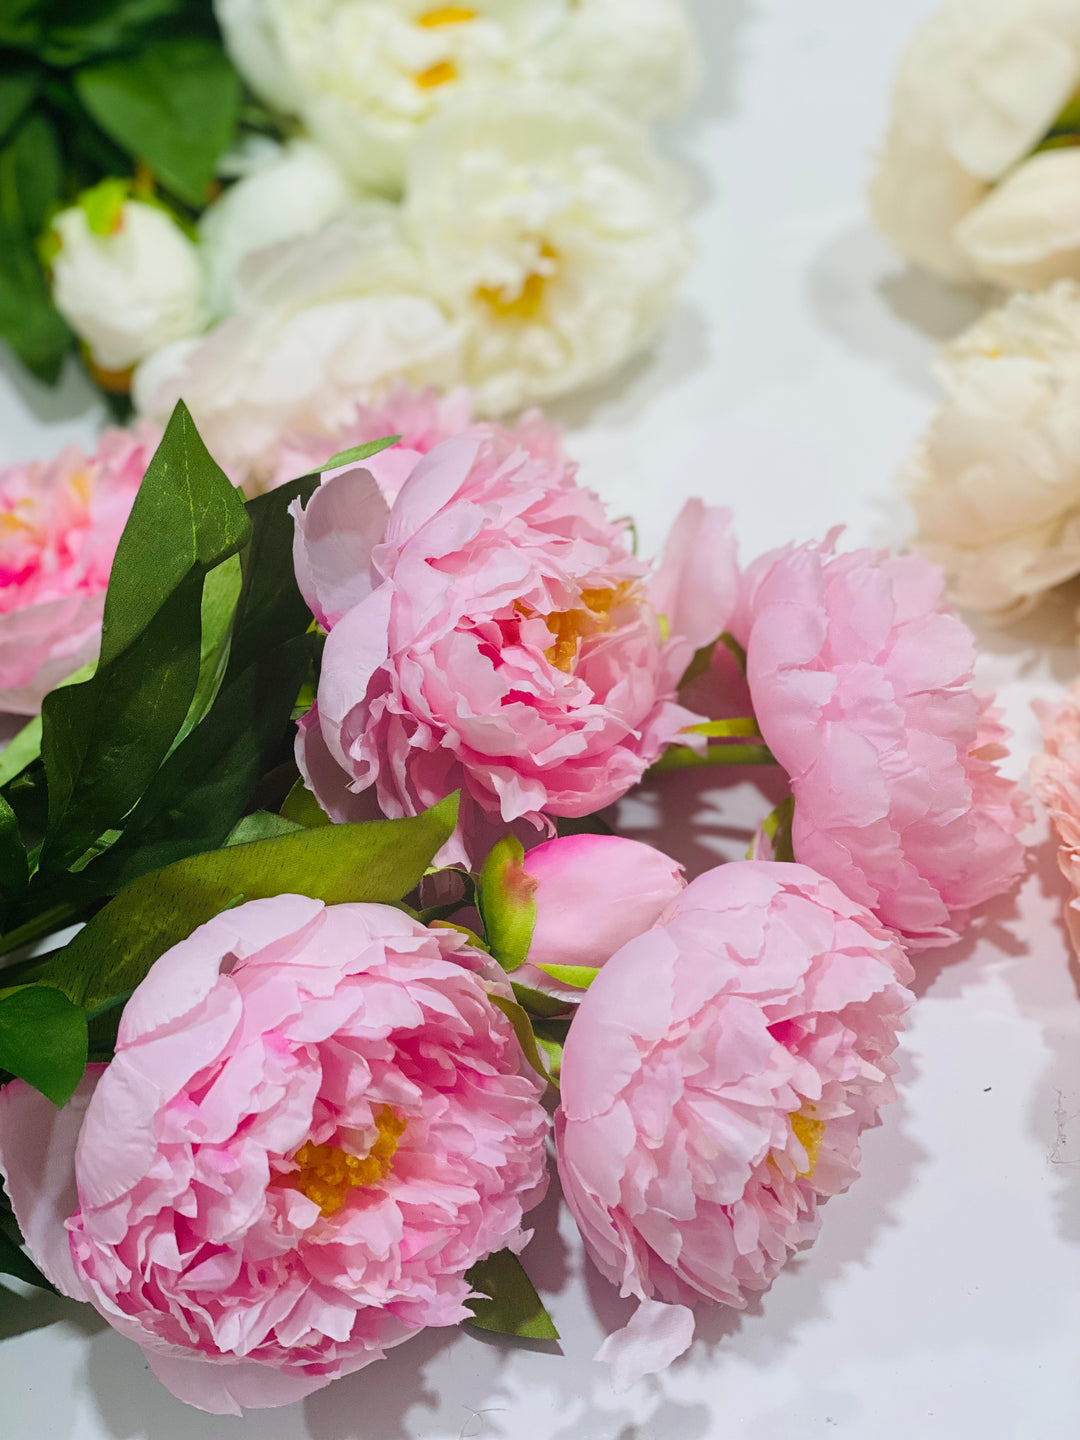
{"x":316,"y":1122}
{"x":590,"y":894}
{"x":715,"y":1083}
{"x":423,"y":419}
{"x":860,"y":679}
{"x":60,"y":522}
{"x":1055,"y":775}
{"x":489,"y":633}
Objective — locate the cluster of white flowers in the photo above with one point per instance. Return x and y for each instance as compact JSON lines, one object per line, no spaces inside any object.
{"x":979,"y":177}
{"x":474,"y":199}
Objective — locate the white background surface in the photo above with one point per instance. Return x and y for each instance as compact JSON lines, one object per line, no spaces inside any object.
{"x":943,"y":1297}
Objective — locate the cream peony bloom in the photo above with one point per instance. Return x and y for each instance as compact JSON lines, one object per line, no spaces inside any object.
{"x":978,"y":91}
{"x":323,"y":322}
{"x":295,"y":190}
{"x":127,"y":284}
{"x":365,"y":75}
{"x":995,"y":481}
{"x":547,"y":221}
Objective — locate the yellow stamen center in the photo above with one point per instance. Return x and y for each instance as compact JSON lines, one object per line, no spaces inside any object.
{"x":570,"y":627}
{"x":809,"y":1133}
{"x":529,"y":300}
{"x":327,"y":1173}
{"x":435,"y":75}
{"x":446,"y":15}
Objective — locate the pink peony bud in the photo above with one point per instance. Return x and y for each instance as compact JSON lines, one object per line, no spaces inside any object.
{"x":571,"y":903}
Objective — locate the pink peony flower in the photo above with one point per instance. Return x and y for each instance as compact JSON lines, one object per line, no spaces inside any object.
{"x":59,"y":527}
{"x":490,"y":633}
{"x":423,"y":419}
{"x":588,"y":895}
{"x":1055,"y":774}
{"x":715,"y":1082}
{"x":316,"y":1122}
{"x":860,"y":681}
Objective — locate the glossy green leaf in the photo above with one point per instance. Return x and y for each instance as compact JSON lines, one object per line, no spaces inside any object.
{"x":173,"y":104}
{"x":25,"y":746}
{"x":513,"y":1307}
{"x":43,"y":1040}
{"x":356,"y":453}
{"x":505,"y":899}
{"x":378,"y":861}
{"x":14,"y":869}
{"x":104,"y":740}
{"x":579,"y":976}
{"x":31,"y":183}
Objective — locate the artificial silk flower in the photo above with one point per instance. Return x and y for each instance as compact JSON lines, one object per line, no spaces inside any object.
{"x":1055,"y":775}
{"x":423,"y":419}
{"x":324,"y":321}
{"x":548,"y":222}
{"x":995,"y":480}
{"x":295,"y":189}
{"x":570,"y":903}
{"x":365,"y":76}
{"x":715,"y":1082}
{"x":983,"y":85}
{"x":490,"y":632}
{"x":316,"y":1122}
{"x":59,"y":527}
{"x":860,"y":681}
{"x":125,"y":277}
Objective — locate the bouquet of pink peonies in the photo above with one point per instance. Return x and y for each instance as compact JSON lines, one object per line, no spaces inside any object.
{"x":356,"y":940}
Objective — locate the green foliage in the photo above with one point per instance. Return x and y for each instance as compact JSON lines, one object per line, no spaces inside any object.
{"x":381,"y":860}
{"x":43,"y":1040}
{"x":356,"y":453}
{"x":513,"y":1307}
{"x":173,"y":105}
{"x":504,"y":897}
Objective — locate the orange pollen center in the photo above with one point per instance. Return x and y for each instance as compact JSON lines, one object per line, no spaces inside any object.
{"x":809,"y":1133}
{"x":570,"y":627}
{"x":327,"y":1173}
{"x":446,"y":15}
{"x":435,"y":75}
{"x":529,"y":300}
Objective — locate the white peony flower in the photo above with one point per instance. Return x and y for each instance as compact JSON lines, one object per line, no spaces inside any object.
{"x":324,"y":321}
{"x":365,"y":75}
{"x":1026,"y":233}
{"x":549,"y":223}
{"x":294,"y":191}
{"x":977,"y":93}
{"x":995,"y":481}
{"x":124,"y":276}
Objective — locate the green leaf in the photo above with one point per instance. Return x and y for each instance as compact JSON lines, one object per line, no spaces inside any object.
{"x":302,"y":807}
{"x":513,"y":1307}
{"x":104,"y":740}
{"x":20,"y":23}
{"x":78,"y":30}
{"x":380,"y":861}
{"x":681,"y":757}
{"x":31,"y":184}
{"x":21,"y":750}
{"x":523,"y":1029}
{"x":505,"y":899}
{"x":723,"y":729}
{"x":539,"y":1004}
{"x":359,"y":452}
{"x":43,"y":1040}
{"x":18,"y":87}
{"x":579,"y":976}
{"x":173,"y":105}
{"x":260,"y":825}
{"x":777,"y":826}
{"x":14,"y":869}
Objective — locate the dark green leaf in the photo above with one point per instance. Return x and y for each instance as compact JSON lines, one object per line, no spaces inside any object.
{"x":513,"y":1306}
{"x":43,"y":1040}
{"x":537,"y":1003}
{"x":14,"y":1261}
{"x":523,"y":1029}
{"x":31,"y":181}
{"x":359,"y":452}
{"x":17,"y":90}
{"x":378,"y":861}
{"x":103,"y":740}
{"x":173,"y":105}
{"x":20,"y":23}
{"x":78,"y":30}
{"x":14,"y":870}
